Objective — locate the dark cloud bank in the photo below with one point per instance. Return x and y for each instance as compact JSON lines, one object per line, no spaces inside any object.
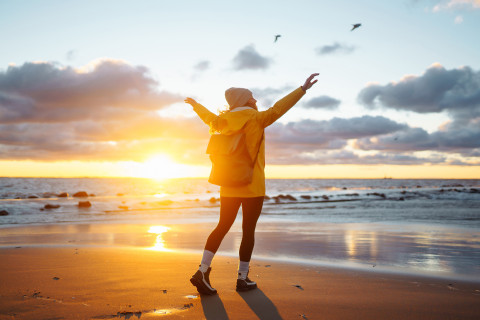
{"x":455,"y":92}
{"x":49,"y":93}
{"x":49,"y":112}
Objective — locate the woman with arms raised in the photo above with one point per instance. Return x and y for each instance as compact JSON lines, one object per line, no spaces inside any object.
{"x":243,"y":115}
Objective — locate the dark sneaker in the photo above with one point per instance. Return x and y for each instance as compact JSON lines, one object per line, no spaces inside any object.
{"x":201,"y":280}
{"x":246,"y":284}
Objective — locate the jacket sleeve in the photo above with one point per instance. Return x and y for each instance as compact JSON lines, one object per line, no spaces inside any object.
{"x":267,"y":117}
{"x":210,"y":118}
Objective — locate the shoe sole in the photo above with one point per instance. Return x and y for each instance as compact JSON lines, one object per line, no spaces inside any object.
{"x":200,"y":288}
{"x":243,"y":289}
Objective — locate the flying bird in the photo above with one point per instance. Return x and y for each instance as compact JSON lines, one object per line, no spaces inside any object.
{"x":355,"y":26}
{"x":276,"y":37}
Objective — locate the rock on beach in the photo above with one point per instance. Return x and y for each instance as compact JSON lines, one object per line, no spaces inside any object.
{"x":51,"y":206}
{"x":81,"y":194}
{"x":84,"y":204}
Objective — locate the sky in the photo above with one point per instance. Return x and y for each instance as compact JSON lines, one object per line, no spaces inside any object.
{"x":96,"y":88}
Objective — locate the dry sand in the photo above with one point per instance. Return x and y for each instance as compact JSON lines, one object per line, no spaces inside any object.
{"x":132,"y":283}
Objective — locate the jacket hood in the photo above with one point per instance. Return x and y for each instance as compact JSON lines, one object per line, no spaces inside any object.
{"x":233,"y":121}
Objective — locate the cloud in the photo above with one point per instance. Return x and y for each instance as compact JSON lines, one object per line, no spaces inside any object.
{"x":456,"y":5}
{"x":268,"y":96}
{"x":456,"y":91}
{"x":71,"y":54}
{"x":310,"y":141}
{"x":105,"y":111}
{"x":334,"y":48}
{"x":411,"y":139}
{"x":458,"y":19}
{"x":331,"y":157}
{"x":454,"y":139}
{"x":249,"y":59}
{"x":322,"y":142}
{"x":48,"y":92}
{"x":328,"y":134}
{"x":108,"y":112}
{"x":133,"y":139}
{"x":202,"y":66}
{"x":199,"y":69}
{"x":322,"y":102}
{"x":475,"y":153}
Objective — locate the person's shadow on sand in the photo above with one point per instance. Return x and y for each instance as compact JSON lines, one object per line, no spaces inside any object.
{"x":260,"y":304}
{"x":263,"y":307}
{"x":213,"y":308}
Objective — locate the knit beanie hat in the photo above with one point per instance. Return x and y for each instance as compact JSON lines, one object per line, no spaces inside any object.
{"x":237,"y":97}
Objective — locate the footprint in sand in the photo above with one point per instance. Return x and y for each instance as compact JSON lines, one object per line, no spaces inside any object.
{"x":450,"y":287}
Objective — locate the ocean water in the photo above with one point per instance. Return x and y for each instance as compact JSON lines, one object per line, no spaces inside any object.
{"x":414,"y":226}
{"x":434,"y":202}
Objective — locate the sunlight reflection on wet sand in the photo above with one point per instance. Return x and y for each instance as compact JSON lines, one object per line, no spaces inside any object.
{"x":159,"y":242}
{"x":442,"y":250}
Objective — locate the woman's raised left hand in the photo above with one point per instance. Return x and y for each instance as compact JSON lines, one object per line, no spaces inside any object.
{"x":309,"y":83}
{"x":191,"y":101}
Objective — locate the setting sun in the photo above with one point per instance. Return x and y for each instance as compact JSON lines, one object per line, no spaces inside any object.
{"x":161,"y":166}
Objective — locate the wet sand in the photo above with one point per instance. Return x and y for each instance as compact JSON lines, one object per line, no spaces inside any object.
{"x":133,"y":283}
{"x":448,"y":253}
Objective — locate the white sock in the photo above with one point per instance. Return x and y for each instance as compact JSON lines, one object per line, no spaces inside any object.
{"x":206,"y":260}
{"x":243,"y":269}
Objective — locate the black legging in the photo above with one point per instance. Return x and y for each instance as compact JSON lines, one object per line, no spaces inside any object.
{"x":251,"y":208}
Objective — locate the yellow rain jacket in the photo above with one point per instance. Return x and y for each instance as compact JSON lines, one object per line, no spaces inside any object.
{"x":253,"y":123}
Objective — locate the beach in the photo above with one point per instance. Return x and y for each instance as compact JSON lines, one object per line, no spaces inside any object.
{"x":79,"y":274}
{"x":324,"y":249}
{"x":121,"y":283}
